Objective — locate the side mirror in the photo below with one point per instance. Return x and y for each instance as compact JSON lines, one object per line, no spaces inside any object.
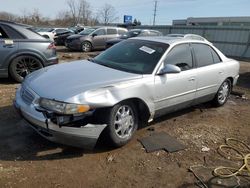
{"x":169,"y":69}
{"x":94,"y":35}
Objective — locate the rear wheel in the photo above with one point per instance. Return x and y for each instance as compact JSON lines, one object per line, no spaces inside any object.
{"x":86,"y":46}
{"x":122,"y":123}
{"x":223,"y":93}
{"x":22,"y":66}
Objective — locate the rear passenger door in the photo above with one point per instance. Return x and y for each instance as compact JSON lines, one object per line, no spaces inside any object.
{"x":111,"y":33}
{"x":209,"y":71}
{"x":8,"y":46}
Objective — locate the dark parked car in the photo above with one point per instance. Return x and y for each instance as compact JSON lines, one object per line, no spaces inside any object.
{"x":78,"y":29}
{"x":60,"y":38}
{"x":23,"y":51}
{"x":133,"y":33}
{"x":93,"y":38}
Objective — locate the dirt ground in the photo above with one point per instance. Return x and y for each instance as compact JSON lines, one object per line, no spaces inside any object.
{"x":28,"y":160}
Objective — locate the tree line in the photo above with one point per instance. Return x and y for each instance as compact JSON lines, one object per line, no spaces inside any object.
{"x":77,"y":12}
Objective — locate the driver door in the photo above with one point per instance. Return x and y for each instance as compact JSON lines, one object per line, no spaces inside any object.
{"x":174,"y":91}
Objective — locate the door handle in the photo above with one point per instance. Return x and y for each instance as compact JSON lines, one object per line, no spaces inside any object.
{"x":191,"y":79}
{"x":220,"y":72}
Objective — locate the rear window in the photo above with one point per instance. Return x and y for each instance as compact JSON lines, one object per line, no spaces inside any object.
{"x":12,"y":33}
{"x":215,"y":56}
{"x":111,"y":31}
{"x":121,"y":31}
{"x":3,"y":34}
{"x":27,"y":32}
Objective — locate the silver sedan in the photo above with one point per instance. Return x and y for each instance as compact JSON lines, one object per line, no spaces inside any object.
{"x":134,"y":81}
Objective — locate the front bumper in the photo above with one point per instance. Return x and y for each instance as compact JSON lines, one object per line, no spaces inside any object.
{"x":74,"y":44}
{"x":51,"y":61}
{"x":235,"y":79}
{"x":84,"y":137}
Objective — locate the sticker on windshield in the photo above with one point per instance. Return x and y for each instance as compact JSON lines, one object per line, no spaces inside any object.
{"x":147,"y":49}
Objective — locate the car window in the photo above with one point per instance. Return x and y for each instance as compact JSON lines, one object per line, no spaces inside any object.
{"x":111,"y":31}
{"x":3,"y":35}
{"x":154,"y":33}
{"x":100,"y":32}
{"x":61,"y":31}
{"x":180,"y":56}
{"x":12,"y":33}
{"x":144,"y":33}
{"x":215,"y":56}
{"x":121,"y":31}
{"x":203,"y":55}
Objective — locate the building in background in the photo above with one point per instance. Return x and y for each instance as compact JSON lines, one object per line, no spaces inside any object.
{"x":214,"y":21}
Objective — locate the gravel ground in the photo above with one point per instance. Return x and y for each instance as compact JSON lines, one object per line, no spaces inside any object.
{"x":28,"y":160}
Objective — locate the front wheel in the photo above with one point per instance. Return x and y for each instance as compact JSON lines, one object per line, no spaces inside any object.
{"x":223,"y":93}
{"x":122,"y":123}
{"x":86,"y":46}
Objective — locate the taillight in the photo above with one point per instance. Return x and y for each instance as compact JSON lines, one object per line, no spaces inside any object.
{"x":52,"y":46}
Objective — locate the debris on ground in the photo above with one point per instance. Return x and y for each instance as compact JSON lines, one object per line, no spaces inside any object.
{"x":110,"y":158}
{"x":205,"y":149}
{"x":67,"y":55}
{"x":160,"y":141}
{"x":151,"y":129}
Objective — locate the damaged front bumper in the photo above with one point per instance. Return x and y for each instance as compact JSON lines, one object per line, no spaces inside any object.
{"x":84,"y":136}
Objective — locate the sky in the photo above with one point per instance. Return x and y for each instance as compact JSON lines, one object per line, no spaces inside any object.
{"x":167,"y":10}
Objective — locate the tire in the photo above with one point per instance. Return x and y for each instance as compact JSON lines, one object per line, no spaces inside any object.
{"x":23,"y":65}
{"x":86,"y":46}
{"x":223,"y":93}
{"x":122,"y":123}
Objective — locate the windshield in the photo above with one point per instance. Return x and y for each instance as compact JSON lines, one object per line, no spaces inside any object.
{"x":134,"y":56}
{"x":87,"y":31}
{"x":131,"y":33}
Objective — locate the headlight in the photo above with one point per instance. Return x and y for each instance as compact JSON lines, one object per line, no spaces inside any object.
{"x":62,"y":107}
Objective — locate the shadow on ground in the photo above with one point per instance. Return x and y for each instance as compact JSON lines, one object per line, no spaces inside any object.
{"x":7,"y":81}
{"x":244,"y":80}
{"x":20,"y":142}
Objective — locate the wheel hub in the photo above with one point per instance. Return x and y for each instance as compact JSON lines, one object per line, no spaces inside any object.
{"x":124,"y":122}
{"x":223,"y":92}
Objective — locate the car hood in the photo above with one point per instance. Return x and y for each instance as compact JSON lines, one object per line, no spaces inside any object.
{"x":64,"y":81}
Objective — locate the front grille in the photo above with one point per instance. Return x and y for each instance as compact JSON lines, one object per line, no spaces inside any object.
{"x":26,"y":95}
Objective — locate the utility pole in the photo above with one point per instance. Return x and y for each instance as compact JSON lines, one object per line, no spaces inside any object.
{"x":155,"y":9}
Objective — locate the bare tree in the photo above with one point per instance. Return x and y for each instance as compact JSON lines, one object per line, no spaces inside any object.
{"x":73,"y":10}
{"x":108,"y":14}
{"x":63,"y":18}
{"x":80,"y":11}
{"x":7,"y":16}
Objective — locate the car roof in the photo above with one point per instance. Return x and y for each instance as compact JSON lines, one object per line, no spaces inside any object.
{"x":14,"y":23}
{"x":112,"y":27}
{"x":170,"y":40}
{"x":144,"y":30}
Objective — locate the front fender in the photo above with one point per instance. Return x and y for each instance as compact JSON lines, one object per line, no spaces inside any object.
{"x":108,"y":96}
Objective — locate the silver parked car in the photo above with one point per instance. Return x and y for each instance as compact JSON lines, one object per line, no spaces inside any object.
{"x":23,"y":51}
{"x":93,"y":38}
{"x":137,"y":79}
